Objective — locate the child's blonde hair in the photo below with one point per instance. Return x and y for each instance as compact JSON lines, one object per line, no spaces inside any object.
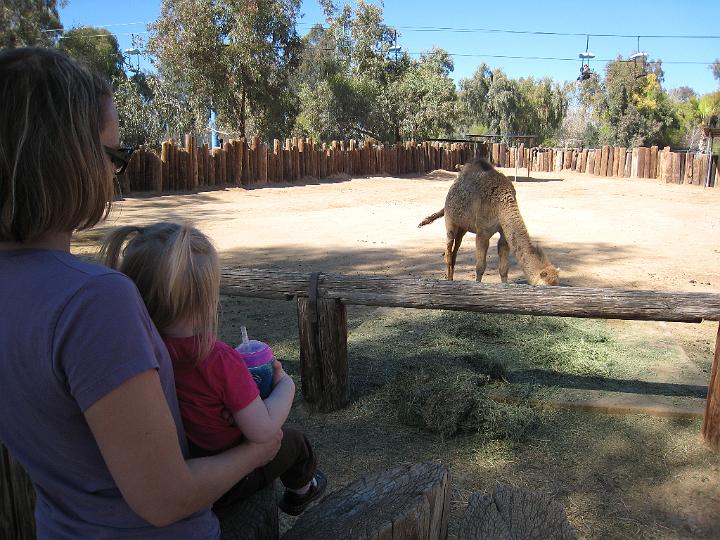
{"x":177,"y":271}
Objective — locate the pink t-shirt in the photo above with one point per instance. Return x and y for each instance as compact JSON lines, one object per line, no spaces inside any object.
{"x":220,"y":382}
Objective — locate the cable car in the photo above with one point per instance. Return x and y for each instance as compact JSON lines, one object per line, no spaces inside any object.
{"x":585,"y":57}
{"x":639,"y":58}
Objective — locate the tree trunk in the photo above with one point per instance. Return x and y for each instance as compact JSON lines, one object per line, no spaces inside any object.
{"x":512,"y":512}
{"x":410,"y":501}
{"x":243,"y":99}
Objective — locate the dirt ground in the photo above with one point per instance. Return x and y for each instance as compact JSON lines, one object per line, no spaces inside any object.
{"x":617,"y":475}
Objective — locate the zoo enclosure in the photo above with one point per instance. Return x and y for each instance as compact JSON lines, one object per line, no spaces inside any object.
{"x":322,"y":320}
{"x":252,"y":162}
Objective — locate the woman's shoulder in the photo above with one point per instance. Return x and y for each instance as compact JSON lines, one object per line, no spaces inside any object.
{"x":87,"y":273}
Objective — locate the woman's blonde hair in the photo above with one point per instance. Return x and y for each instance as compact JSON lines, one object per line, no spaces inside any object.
{"x":177,"y":271}
{"x":54,"y":176}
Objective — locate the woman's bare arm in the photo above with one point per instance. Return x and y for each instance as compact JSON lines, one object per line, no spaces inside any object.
{"x":136,"y":434}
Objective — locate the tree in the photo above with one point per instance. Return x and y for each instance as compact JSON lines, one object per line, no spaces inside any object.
{"x":682,"y":94}
{"x":544,"y":107}
{"x":344,"y":76}
{"x":509,"y":106}
{"x":473,"y":96}
{"x":233,"y":57}
{"x":426,"y":97}
{"x":26,"y":23}
{"x":635,"y":110}
{"x":716,"y":69}
{"x":97,"y":47}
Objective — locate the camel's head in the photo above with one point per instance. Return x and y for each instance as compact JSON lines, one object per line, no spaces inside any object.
{"x":546,"y":274}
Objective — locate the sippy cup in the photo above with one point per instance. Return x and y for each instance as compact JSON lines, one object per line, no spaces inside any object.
{"x":259,"y":360}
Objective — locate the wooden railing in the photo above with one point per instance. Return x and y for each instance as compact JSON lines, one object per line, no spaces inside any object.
{"x":322,"y":324}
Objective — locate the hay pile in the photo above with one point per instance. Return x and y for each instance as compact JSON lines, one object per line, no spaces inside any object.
{"x":455,"y":399}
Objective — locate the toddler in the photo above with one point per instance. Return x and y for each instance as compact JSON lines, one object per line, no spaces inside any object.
{"x":177,"y":271}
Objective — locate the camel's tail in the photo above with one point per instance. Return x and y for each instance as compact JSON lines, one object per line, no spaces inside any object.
{"x":432,"y":217}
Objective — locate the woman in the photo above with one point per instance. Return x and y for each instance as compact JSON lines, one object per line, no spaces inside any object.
{"x":88,"y":401}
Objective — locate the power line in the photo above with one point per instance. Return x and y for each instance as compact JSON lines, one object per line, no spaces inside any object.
{"x":109,"y":34}
{"x":531,"y":32}
{"x":517,"y":57}
{"x":466,"y":55}
{"x":470,"y":30}
{"x":97,"y":26}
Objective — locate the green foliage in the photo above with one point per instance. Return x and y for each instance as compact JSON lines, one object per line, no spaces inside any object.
{"x":634,"y":108}
{"x":716,"y":70}
{"x":96,"y":47}
{"x":233,"y":57}
{"x":350,"y":85}
{"x":507,"y":106}
{"x":426,"y":98}
{"x":151,"y":111}
{"x":23,"y":23}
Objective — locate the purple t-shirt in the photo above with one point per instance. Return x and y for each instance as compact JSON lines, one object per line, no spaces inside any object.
{"x":70,"y":332}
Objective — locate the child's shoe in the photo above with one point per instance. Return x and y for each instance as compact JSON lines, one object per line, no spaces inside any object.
{"x":294,"y":504}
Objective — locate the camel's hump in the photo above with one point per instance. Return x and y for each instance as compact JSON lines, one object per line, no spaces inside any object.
{"x":478,"y":164}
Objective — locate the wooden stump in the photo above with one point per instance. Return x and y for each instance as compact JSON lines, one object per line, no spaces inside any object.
{"x":323,"y":354}
{"x":255,"y":518}
{"x":407,"y":501}
{"x":711,"y":422}
{"x":514,"y":513}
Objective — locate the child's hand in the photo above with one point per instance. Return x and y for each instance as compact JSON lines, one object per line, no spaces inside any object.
{"x":278,"y":372}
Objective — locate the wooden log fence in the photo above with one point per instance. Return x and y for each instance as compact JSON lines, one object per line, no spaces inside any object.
{"x":322,"y":300}
{"x":252,"y":162}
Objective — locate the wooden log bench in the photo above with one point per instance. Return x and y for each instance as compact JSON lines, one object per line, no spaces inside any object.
{"x":255,"y":518}
{"x":514,"y":513}
{"x":410,"y":501}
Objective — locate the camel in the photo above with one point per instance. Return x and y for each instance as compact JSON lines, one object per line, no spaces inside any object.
{"x":482,"y":201}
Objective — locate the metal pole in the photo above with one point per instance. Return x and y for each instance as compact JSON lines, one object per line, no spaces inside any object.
{"x":710,"y":155}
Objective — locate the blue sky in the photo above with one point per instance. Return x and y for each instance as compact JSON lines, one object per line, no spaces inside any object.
{"x":413,"y":20}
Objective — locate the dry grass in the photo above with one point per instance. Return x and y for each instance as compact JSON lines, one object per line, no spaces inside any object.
{"x":420,"y":382}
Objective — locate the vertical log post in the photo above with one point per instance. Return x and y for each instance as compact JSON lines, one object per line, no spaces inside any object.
{"x":603,"y":160}
{"x":244,"y":161}
{"x":711,"y":421}
{"x":322,"y":326}
{"x":634,"y":167}
{"x":279,"y":160}
{"x":653,"y":162}
{"x":254,"y":159}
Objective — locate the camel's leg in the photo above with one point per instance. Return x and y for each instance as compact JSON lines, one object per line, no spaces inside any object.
{"x":454,"y":239}
{"x":482,"y":241}
{"x":504,"y":257}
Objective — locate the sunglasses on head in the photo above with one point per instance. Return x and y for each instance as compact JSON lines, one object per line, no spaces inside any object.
{"x":120,"y":157}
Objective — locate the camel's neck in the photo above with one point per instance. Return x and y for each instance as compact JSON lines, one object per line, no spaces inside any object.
{"x":517,"y":237}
